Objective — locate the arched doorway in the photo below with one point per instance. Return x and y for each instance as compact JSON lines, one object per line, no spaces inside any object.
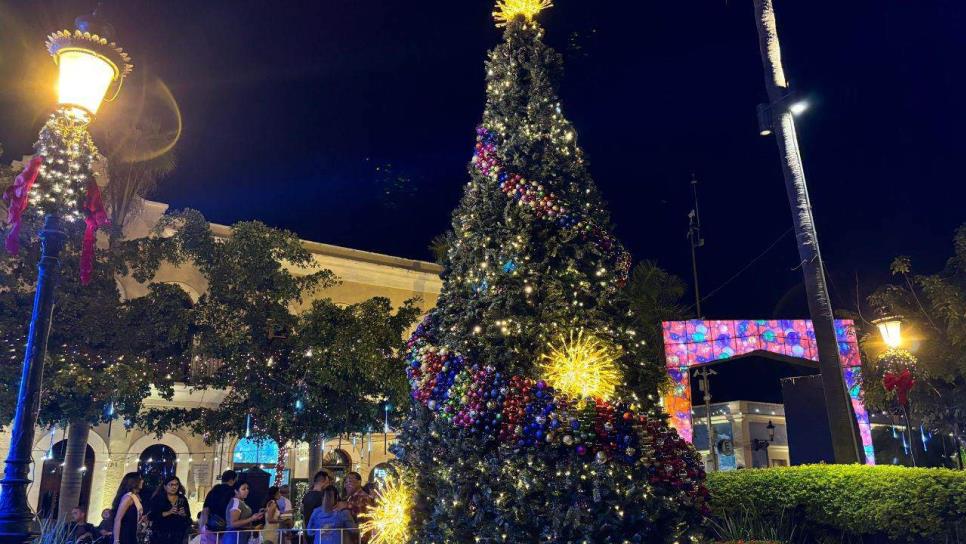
{"x":690,"y":344}
{"x":338,"y":463}
{"x":156,"y":463}
{"x":250,"y":454}
{"x":53,"y":469}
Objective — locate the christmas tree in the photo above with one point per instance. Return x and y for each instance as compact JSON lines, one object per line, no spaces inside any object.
{"x":533,"y":415}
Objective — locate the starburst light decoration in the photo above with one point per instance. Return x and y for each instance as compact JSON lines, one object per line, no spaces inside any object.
{"x":388,"y":522}
{"x":581,"y":366}
{"x":507,"y":10}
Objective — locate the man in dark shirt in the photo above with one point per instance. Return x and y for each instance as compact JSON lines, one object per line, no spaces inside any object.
{"x":313,"y":499}
{"x":81,"y":532}
{"x":212,"y":516}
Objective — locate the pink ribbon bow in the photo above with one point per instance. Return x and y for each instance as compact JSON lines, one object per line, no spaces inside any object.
{"x":17,"y":197}
{"x":96,"y":217}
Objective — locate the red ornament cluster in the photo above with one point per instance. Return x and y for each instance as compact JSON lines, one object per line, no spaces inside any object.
{"x":521,"y":413}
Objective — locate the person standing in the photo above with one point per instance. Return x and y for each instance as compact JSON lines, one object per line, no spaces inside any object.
{"x":286,"y":519}
{"x":212,"y":518}
{"x":313,"y":499}
{"x":270,"y":534}
{"x":107,"y":525}
{"x":284,"y":503}
{"x":81,"y":532}
{"x":127,"y":509}
{"x":328,"y":524}
{"x":356,"y":498}
{"x":239,"y":517}
{"x":169,"y":513}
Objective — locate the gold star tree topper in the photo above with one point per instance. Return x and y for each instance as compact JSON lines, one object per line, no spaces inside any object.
{"x":507,"y":10}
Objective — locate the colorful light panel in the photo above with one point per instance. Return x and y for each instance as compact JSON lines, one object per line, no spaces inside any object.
{"x":688,"y":344}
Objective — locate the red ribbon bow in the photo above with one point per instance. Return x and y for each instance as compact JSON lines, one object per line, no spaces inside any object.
{"x":901,"y":383}
{"x":17,"y":197}
{"x":96,"y":218}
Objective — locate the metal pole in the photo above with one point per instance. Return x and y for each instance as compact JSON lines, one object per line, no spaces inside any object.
{"x":704,"y":374}
{"x":842,"y":424}
{"x":912,"y":445}
{"x":694,"y":236}
{"x":17,"y":522}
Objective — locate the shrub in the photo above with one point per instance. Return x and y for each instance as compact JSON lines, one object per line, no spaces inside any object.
{"x":749,"y":526}
{"x":849,"y":501}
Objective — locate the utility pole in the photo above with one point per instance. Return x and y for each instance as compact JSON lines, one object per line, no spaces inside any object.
{"x":778,"y":117}
{"x":705,"y":387}
{"x":694,"y":236}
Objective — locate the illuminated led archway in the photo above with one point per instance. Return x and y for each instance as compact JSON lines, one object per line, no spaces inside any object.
{"x":688,"y":344}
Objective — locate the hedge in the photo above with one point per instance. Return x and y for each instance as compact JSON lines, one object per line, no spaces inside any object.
{"x":901,"y":503}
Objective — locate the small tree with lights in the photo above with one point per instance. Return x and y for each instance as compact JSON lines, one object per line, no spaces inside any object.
{"x":533,"y":416}
{"x":289,"y":375}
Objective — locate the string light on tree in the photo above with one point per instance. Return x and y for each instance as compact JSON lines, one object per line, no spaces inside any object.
{"x":580,"y":365}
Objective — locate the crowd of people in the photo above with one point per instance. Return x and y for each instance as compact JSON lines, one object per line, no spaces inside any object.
{"x":329,"y":514}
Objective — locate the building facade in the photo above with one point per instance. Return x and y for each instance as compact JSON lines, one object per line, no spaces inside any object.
{"x":114,"y":449}
{"x":742,"y":434}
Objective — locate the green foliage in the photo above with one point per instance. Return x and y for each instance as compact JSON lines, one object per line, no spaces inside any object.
{"x":54,"y":531}
{"x":933,"y":310}
{"x":749,"y":526}
{"x":102,"y":350}
{"x":291,"y":373}
{"x":837,"y":502}
{"x":653,"y":295}
{"x":138,"y":158}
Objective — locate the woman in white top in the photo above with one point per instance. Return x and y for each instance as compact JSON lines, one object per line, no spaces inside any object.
{"x":128,"y":512}
{"x":239,"y":516}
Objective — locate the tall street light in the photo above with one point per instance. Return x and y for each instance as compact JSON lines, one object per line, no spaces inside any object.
{"x":778,"y":117}
{"x":59,"y":183}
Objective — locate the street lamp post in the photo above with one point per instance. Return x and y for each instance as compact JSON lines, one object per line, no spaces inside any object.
{"x":56,"y":177}
{"x":777,"y":118}
{"x":898,"y":365}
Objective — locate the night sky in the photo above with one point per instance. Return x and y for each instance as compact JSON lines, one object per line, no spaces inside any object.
{"x":292,"y":111}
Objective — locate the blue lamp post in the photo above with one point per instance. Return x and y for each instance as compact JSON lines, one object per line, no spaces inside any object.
{"x":88,"y":66}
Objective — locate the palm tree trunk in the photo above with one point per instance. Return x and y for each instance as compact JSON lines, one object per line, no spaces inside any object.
{"x":72,"y":478}
{"x":842,"y":424}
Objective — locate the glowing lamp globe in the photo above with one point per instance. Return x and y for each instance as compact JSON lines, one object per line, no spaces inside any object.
{"x":88,"y":65}
{"x":84,"y":78}
{"x":890,"y":328}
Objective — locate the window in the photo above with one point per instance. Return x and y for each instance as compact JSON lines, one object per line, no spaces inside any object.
{"x":258,"y":454}
{"x":50,"y":480}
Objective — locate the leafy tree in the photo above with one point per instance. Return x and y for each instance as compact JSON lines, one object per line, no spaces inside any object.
{"x":104,"y":353}
{"x":533,"y":417}
{"x":138,"y":158}
{"x":289,"y":376}
{"x":933,"y":310}
{"x":653,"y":295}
